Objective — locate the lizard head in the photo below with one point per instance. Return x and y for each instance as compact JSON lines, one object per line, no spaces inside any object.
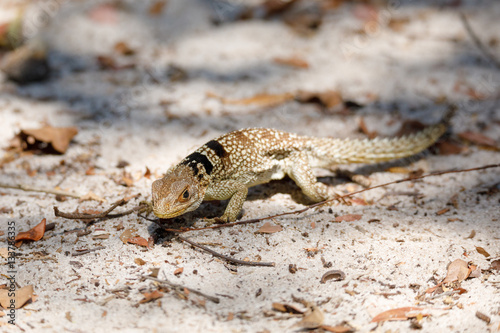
{"x":177,"y":193}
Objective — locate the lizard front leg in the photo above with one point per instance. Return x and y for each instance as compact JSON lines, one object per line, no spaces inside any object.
{"x":227,"y":189}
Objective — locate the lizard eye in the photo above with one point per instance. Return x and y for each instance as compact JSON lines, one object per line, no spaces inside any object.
{"x":184,"y":196}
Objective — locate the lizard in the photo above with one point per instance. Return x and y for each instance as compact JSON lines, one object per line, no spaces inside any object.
{"x":225,"y":167}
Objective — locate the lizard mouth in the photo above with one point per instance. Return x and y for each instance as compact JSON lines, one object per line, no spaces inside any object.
{"x":169,"y":214}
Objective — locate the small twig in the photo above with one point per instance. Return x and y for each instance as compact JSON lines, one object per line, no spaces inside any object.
{"x":181,"y":288}
{"x":85,"y":216}
{"x":28,"y":188}
{"x":233,"y":260}
{"x":75,"y":254}
{"x":479,"y":44}
{"x":322,"y":203}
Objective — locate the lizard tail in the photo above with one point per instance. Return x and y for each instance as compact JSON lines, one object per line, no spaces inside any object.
{"x":343,"y":151}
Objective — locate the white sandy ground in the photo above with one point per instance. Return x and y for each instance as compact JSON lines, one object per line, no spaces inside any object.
{"x":128,"y":115}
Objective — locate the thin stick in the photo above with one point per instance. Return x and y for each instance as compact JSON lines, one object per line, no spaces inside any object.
{"x":318,"y":204}
{"x":84,"y":216}
{"x":181,"y":288}
{"x":479,"y":44}
{"x":75,"y":254}
{"x":29,"y":188}
{"x":233,"y":260}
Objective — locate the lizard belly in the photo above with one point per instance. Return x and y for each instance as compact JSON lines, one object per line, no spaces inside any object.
{"x":266,"y":176}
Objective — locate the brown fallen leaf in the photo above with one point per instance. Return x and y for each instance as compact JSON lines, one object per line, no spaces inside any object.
{"x":483,"y":317}
{"x":338,"y":328}
{"x":287,"y":308}
{"x":179,"y":271}
{"x":267,"y":228}
{"x":57,"y":137}
{"x":348,"y":218}
{"x":124,"y":49}
{"x":33,"y":234}
{"x":442,"y":211}
{"x":399,"y":314}
{"x":458,"y":271}
{"x":138,"y":241}
{"x":477,"y":138}
{"x":450,"y":148}
{"x":91,"y":196}
{"x":333,"y":275}
{"x":127,"y":234}
{"x":147,"y":174}
{"x":363,"y":129}
{"x":148,"y":297}
{"x":157,"y":7}
{"x":328,"y":98}
{"x":313,"y":318}
{"x":495,"y":265}
{"x":22,"y":296}
{"x":398,"y":24}
{"x":262,"y":100}
{"x":139,"y":261}
{"x":294,"y":61}
{"x":482,"y":251}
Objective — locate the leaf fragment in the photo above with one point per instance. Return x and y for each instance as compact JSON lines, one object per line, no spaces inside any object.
{"x":267,"y":228}
{"x":313,"y":318}
{"x":148,"y":297}
{"x":482,"y":251}
{"x":348,"y":218}
{"x":22,"y":296}
{"x":403,"y":313}
{"x":34,"y":234}
{"x":58,"y":137}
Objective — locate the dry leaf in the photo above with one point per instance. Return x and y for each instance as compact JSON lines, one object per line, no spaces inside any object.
{"x":262,"y":100}
{"x":477,"y":138}
{"x":333,"y":274}
{"x":328,"y":98}
{"x":471,"y":235}
{"x":363,"y":129}
{"x":124,"y":49}
{"x":157,"y":7}
{"x":313,"y":318}
{"x":338,"y":328}
{"x":398,"y":314}
{"x":458,"y":270}
{"x":495,"y":265}
{"x":58,"y":138}
{"x":91,"y":196}
{"x":293,"y":61}
{"x":138,"y":241}
{"x":442,"y":211}
{"x":450,"y":148}
{"x":179,"y":271}
{"x":148,"y":297}
{"x":397,"y":24}
{"x":482,"y":251}
{"x":22,"y":296}
{"x":483,"y":317}
{"x":267,"y":228}
{"x":33,"y":234}
{"x":4,"y":252}
{"x":139,"y":261}
{"x":287,"y":308}
{"x":348,"y":218}
{"x":127,"y":234}
{"x":147,"y":174}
